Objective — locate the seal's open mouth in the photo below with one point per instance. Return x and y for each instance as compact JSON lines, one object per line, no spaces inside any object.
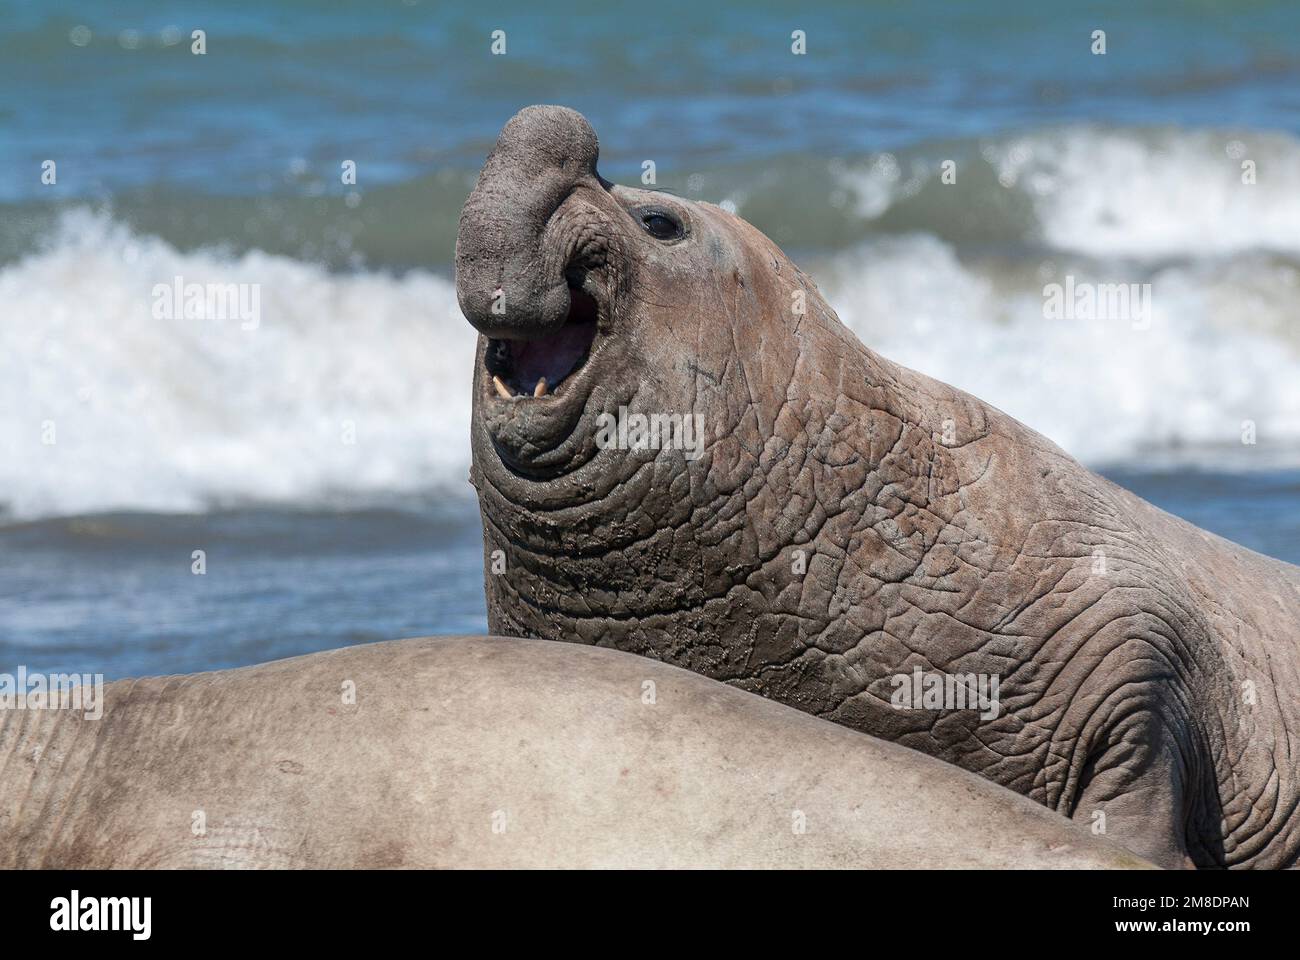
{"x":537,"y":367}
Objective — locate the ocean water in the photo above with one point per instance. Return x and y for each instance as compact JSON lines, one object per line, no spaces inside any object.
{"x":320,"y":461}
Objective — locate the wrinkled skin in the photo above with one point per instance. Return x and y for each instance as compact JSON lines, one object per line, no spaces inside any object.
{"x":490,"y":752}
{"x":1148,"y":669}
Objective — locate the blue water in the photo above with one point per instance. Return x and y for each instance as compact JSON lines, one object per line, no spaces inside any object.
{"x":122,"y":594}
{"x":411,"y":88}
{"x":1122,"y":166}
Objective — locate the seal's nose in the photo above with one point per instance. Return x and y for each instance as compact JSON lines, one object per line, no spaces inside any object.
{"x":546,"y":136}
{"x":509,"y":281}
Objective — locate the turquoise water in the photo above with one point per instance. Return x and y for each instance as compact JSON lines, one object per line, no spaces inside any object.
{"x":242,"y":146}
{"x":225,"y":168}
{"x":412,"y":88}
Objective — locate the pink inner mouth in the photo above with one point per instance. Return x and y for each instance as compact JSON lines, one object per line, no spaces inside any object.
{"x":553,"y":357}
{"x":523,"y":364}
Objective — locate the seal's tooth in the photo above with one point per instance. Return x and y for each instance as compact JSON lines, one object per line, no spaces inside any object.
{"x":540,"y":389}
{"x":502,"y":389}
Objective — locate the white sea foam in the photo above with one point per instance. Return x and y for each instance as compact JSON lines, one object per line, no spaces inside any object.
{"x":1219,"y":349}
{"x":1141,"y":193}
{"x":1158,"y":193}
{"x":181,"y":414}
{"x":184,"y":414}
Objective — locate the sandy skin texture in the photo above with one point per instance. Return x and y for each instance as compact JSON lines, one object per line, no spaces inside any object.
{"x":490,"y":752}
{"x":846,"y":520}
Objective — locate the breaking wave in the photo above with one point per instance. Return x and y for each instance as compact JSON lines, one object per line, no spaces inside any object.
{"x":355,"y":386}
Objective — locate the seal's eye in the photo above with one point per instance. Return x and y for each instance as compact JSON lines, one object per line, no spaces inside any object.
{"x":661,"y":226}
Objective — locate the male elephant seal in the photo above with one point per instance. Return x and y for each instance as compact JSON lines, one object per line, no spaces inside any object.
{"x":490,"y":752}
{"x":848,"y":520}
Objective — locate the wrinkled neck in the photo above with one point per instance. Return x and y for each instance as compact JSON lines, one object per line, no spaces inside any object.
{"x":41,"y":752}
{"x":650,"y":541}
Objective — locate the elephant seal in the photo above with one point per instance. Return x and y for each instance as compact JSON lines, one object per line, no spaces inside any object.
{"x":815,"y":523}
{"x":490,"y":752}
